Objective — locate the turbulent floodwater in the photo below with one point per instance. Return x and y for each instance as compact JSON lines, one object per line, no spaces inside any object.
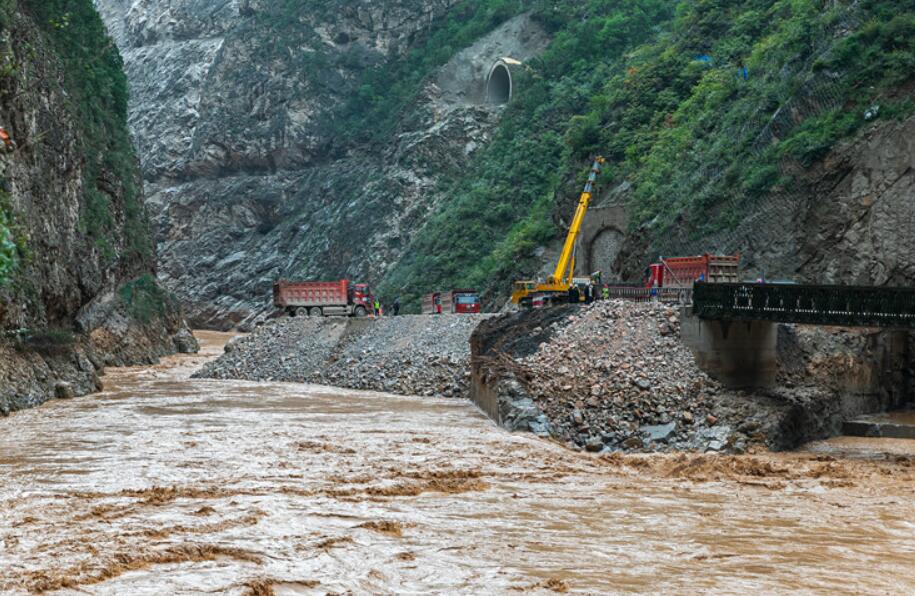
{"x":164,"y":485}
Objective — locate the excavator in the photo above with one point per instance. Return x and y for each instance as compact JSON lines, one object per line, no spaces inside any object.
{"x":556,"y":288}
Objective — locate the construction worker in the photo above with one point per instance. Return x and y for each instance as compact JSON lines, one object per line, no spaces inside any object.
{"x":574,"y":294}
{"x":377,"y":307}
{"x":605,"y":292}
{"x":742,"y":71}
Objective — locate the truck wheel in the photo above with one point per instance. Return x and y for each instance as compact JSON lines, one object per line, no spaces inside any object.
{"x":361,"y":312}
{"x":299,"y":312}
{"x":315,"y":312}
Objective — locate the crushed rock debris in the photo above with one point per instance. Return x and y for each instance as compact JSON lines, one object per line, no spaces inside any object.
{"x":410,"y":354}
{"x":614,"y":376}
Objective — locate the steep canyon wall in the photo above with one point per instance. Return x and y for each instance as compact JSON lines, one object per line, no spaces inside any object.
{"x":80,"y":293}
{"x":235,"y":109}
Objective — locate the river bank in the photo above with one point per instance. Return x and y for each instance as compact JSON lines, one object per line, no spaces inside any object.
{"x":616,"y":376}
{"x":611,"y":376}
{"x":37,"y":365}
{"x":166,"y":484}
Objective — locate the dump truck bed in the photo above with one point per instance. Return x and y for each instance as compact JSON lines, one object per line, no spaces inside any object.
{"x":310,"y":293}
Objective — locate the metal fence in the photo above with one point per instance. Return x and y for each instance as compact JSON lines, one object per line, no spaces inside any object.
{"x":846,"y":306}
{"x":643,"y":294}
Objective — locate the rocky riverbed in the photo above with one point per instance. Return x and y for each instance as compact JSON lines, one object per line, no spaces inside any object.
{"x":410,"y":355}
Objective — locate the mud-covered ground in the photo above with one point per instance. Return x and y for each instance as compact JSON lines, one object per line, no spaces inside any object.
{"x":162,"y":484}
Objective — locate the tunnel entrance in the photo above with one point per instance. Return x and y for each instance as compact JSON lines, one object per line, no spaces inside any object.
{"x":499,"y":84}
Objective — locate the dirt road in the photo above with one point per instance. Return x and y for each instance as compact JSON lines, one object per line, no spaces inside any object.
{"x":163,"y":484}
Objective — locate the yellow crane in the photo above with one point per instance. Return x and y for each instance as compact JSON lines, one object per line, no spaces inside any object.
{"x":557,"y":285}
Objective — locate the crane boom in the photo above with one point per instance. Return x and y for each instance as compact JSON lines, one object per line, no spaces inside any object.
{"x":565,"y":267}
{"x":561,"y":280}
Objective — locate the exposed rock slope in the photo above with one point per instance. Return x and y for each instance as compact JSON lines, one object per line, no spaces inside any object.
{"x":235,"y":115}
{"x":82,"y":293}
{"x":848,"y":220}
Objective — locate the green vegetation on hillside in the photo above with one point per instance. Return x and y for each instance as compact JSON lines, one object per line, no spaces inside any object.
{"x":8,"y":252}
{"x":144,"y":299}
{"x":97,"y":86}
{"x":501,"y":209}
{"x":676,"y":94}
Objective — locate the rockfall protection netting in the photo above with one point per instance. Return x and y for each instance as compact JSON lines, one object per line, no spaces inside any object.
{"x":820,"y":92}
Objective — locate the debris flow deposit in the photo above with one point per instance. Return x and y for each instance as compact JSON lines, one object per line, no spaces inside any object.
{"x":163,"y":484}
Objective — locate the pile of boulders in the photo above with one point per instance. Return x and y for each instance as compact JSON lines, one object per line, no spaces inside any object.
{"x":411,"y":355}
{"x":614,"y":375}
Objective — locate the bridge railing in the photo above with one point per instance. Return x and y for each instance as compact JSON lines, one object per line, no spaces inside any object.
{"x":854,"y":306}
{"x":637,"y":293}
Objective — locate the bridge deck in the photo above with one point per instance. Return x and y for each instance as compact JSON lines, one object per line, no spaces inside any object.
{"x":846,"y":306}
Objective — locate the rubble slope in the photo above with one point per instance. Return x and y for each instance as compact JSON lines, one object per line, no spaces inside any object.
{"x":410,"y":355}
{"x":615,"y":375}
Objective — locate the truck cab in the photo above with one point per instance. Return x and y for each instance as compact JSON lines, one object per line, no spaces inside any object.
{"x":465,"y":302}
{"x":361,"y":295}
{"x":453,"y":302}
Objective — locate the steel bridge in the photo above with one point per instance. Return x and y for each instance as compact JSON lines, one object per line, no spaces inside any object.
{"x":841,"y":306}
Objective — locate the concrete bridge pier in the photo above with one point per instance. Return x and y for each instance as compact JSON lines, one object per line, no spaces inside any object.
{"x":739,"y":354}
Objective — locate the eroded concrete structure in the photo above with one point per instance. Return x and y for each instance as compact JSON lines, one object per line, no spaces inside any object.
{"x":738,"y":353}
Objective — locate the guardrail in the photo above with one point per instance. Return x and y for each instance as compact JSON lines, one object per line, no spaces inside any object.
{"x":846,"y":306}
{"x":643,"y":294}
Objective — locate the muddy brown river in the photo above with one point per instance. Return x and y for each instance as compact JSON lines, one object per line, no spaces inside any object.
{"x":166,"y":485}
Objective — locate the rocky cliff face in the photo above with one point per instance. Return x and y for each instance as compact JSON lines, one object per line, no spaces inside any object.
{"x":849,"y":220}
{"x":81,"y":293}
{"x":236,"y":116}
{"x":859,"y":221}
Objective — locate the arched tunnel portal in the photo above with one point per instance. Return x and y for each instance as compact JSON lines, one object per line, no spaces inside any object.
{"x":499,"y":86}
{"x":601,"y":239}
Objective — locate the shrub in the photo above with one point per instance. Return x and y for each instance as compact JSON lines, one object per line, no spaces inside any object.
{"x":145,"y":300}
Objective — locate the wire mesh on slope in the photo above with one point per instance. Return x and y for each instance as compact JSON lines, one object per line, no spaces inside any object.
{"x":821,"y":91}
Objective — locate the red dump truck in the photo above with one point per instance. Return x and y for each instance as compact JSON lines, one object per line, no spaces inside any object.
{"x":672,"y":279}
{"x":323,"y":298}
{"x":454,"y":302}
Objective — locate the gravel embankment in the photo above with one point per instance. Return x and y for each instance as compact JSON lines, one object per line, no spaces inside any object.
{"x":614,"y":375}
{"x":411,"y":354}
